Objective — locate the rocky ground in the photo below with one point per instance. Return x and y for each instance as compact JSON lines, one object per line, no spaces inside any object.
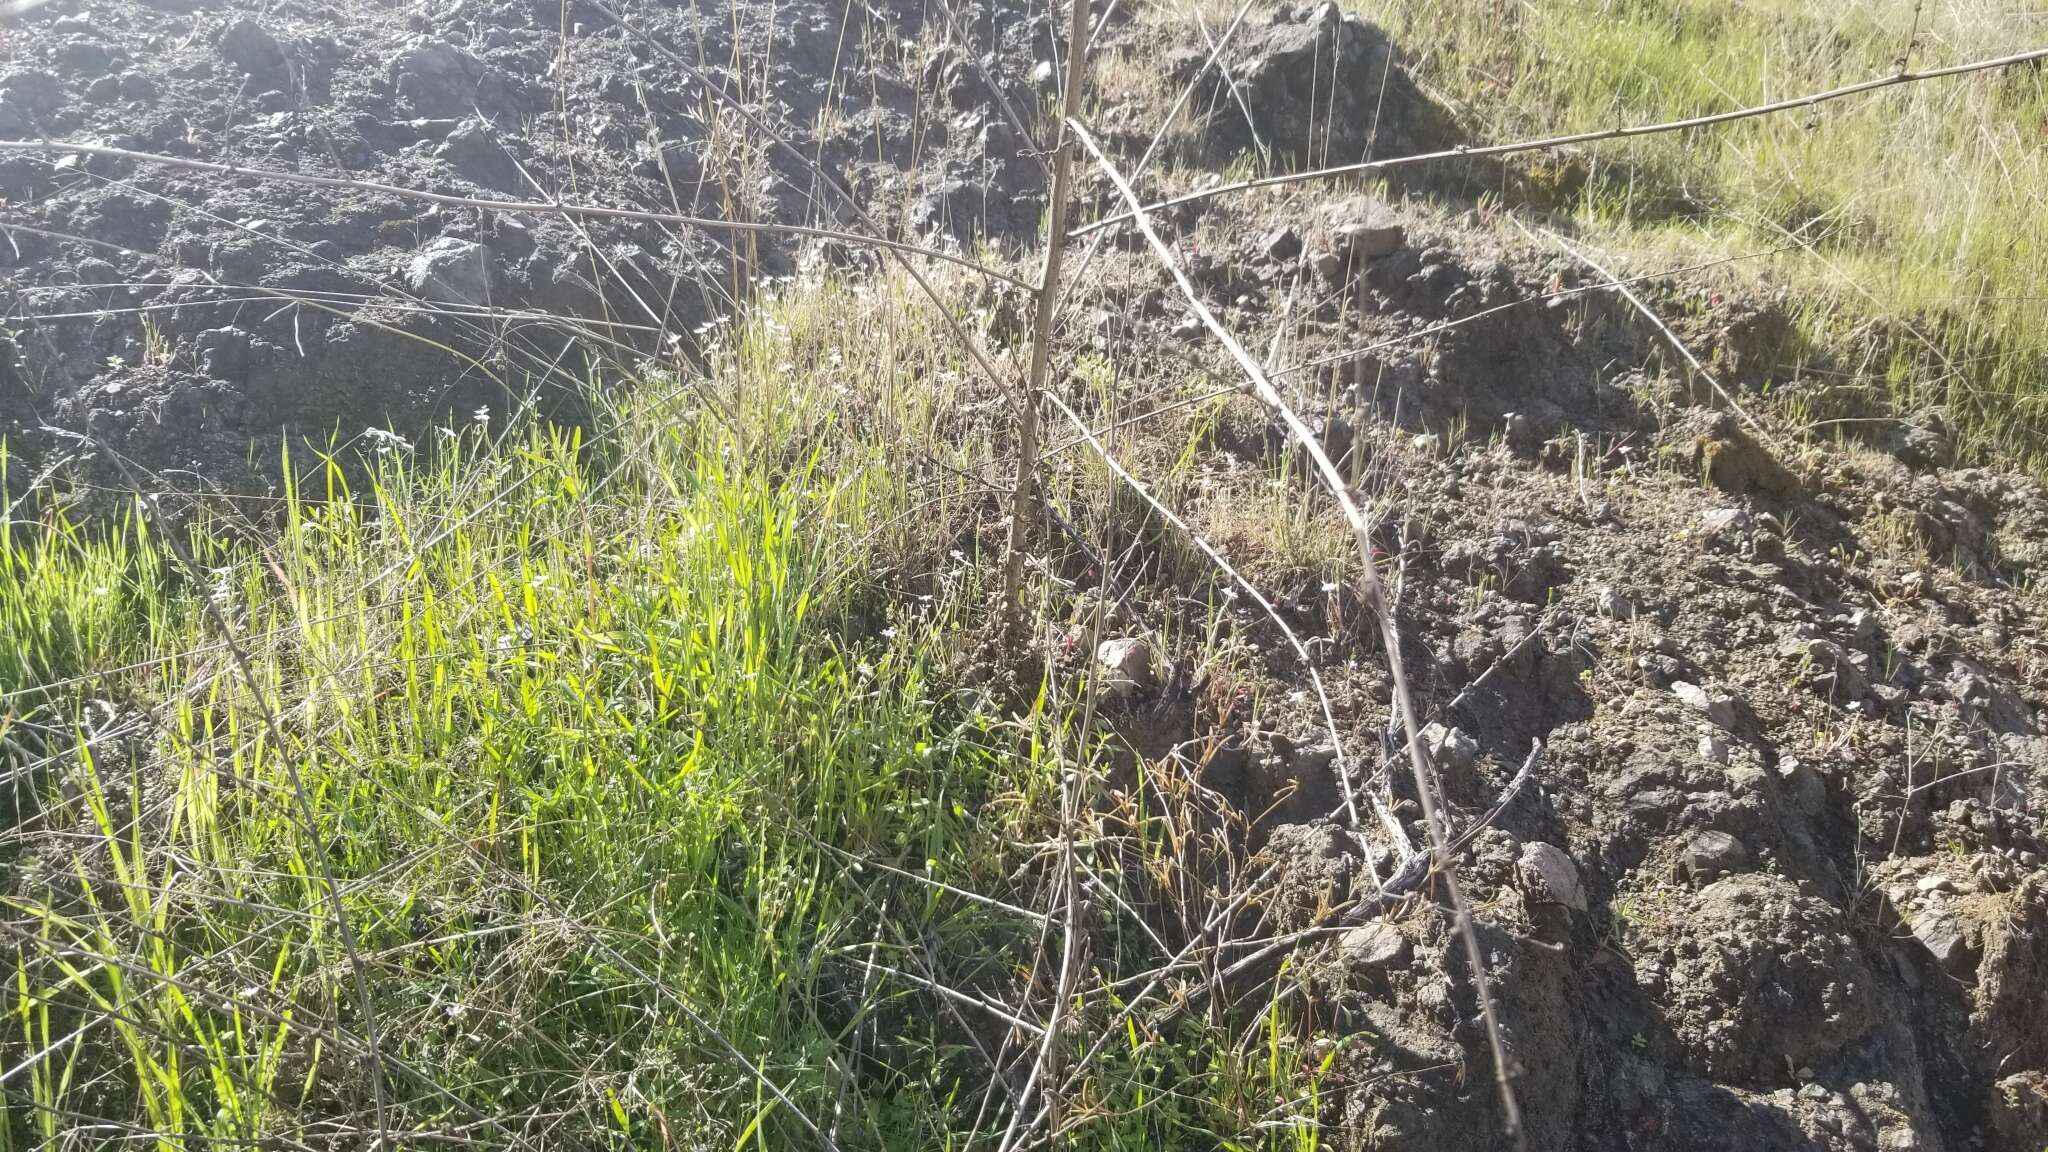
{"x":1779,"y":880}
{"x":184,"y":316}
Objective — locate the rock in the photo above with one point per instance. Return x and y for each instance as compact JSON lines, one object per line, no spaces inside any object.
{"x":451,"y":271}
{"x":252,"y":50}
{"x":1801,"y":786}
{"x":1712,"y":855}
{"x":1374,"y":948}
{"x":1281,"y":244}
{"x":1727,"y":456}
{"x":1358,"y":243}
{"x":1935,"y":882}
{"x":139,"y":87}
{"x":1827,"y":668}
{"x":1713,"y":749}
{"x":1327,"y":264}
{"x":1449,"y":749}
{"x":104,"y":90}
{"x":1717,"y":707}
{"x":438,"y":78}
{"x":1719,"y":523}
{"x":477,"y":156}
{"x":1045,"y":77}
{"x":2019,"y":1113}
{"x":1615,"y":605}
{"x":1922,"y":444}
{"x":1128,"y":661}
{"x":1550,"y":875}
{"x":1946,"y":938}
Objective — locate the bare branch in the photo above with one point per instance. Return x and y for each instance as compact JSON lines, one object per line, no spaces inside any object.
{"x":1375,"y":597}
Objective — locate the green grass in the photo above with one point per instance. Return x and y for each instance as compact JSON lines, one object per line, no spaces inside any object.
{"x":597,"y":737}
{"x":1920,"y":212}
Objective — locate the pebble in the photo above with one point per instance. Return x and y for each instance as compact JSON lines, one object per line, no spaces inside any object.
{"x":1551,"y":875}
{"x":1719,"y":708}
{"x":1129,"y":660}
{"x":1714,"y":854}
{"x":1374,"y":947}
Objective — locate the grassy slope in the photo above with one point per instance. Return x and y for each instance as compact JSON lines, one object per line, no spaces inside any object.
{"x":1924,"y":208}
{"x":576,"y":727}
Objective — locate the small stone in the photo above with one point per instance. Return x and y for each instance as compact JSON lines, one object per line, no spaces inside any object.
{"x":437,"y":78}
{"x":1713,"y":749}
{"x":1374,"y":947}
{"x":1718,"y":708}
{"x":1615,"y":605}
{"x":1327,"y":264}
{"x":104,"y":90}
{"x":451,"y":271}
{"x":1045,"y":77}
{"x":1941,"y":932}
{"x":1720,"y":522}
{"x":1281,"y":244}
{"x":1935,"y":882}
{"x":1521,"y":431}
{"x":137,"y":86}
{"x":1714,"y":854}
{"x":1129,"y":661}
{"x":1362,"y":242}
{"x":251,"y":49}
{"x":1801,"y":785}
{"x":1551,"y":876}
{"x":1449,"y":748}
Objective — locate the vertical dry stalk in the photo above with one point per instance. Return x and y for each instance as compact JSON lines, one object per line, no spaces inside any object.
{"x":1376,"y":600}
{"x":1024,"y":497}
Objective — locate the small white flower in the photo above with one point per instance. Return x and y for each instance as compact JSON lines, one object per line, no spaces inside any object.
{"x":483,"y":415}
{"x":889,"y":633}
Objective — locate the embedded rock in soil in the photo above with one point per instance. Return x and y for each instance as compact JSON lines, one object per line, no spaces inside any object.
{"x":1714,"y":854}
{"x":1755,"y":977}
{"x":451,"y":271}
{"x":1128,"y":662}
{"x":437,"y":78}
{"x":1726,"y":455}
{"x":1717,"y":707}
{"x":252,"y":50}
{"x":1374,"y":948}
{"x":1549,"y":874}
{"x":2019,"y":1113}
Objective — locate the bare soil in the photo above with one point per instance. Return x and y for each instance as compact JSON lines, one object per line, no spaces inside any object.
{"x":1792,"y":688}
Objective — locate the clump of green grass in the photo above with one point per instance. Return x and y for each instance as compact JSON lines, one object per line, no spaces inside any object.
{"x":638,"y":760}
{"x":1921,"y":205}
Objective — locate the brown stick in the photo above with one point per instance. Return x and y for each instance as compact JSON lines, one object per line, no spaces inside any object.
{"x":1023,"y":498}
{"x":1464,"y":151}
{"x":1375,"y":597}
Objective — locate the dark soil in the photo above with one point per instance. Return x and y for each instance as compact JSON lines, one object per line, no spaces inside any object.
{"x":1779,"y":883}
